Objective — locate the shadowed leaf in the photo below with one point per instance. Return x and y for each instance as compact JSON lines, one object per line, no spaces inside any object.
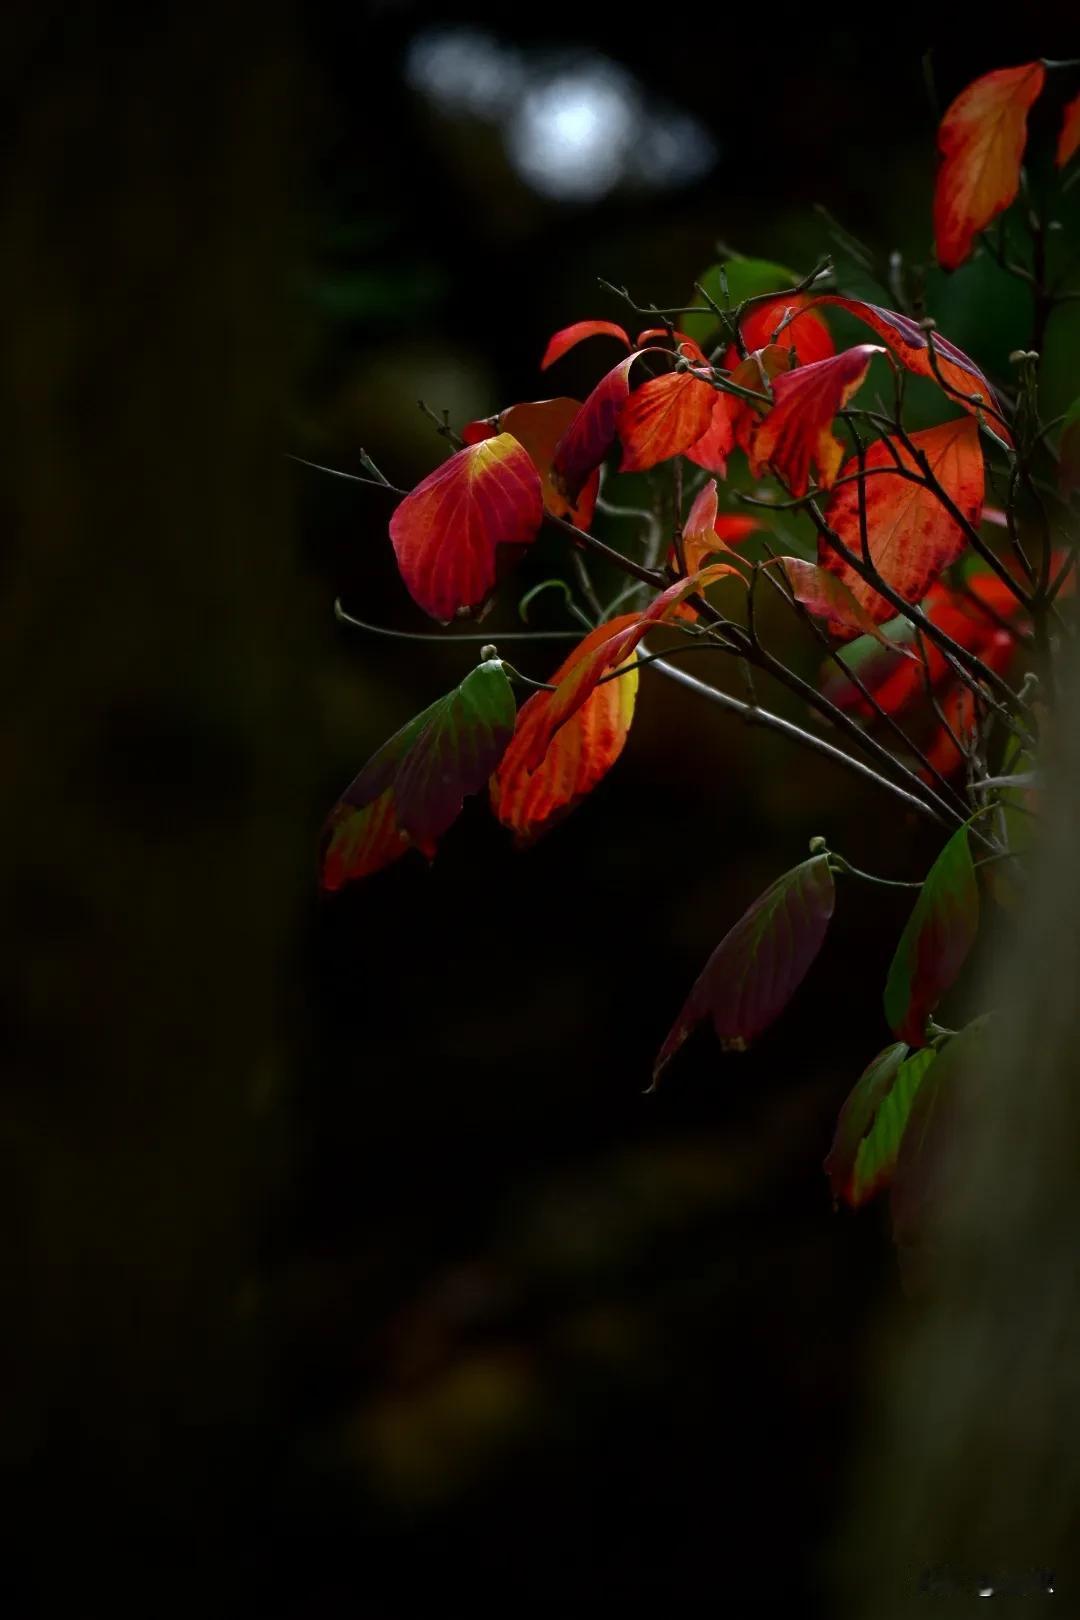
{"x":1069,"y":139}
{"x":872,"y":1123}
{"x":935,"y":943}
{"x":758,"y":966}
{"x":827,"y":597}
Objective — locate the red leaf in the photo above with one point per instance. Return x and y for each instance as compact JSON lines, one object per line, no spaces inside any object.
{"x":733,"y":419}
{"x":684,"y":345}
{"x":445,"y":532}
{"x":807,"y":334}
{"x":663,"y":418}
{"x":578,"y":756}
{"x":796,"y":434}
{"x":758,"y":966}
{"x":1069,"y":140}
{"x":981,"y":141}
{"x":592,"y":432}
{"x":907,"y":341}
{"x":912,"y":536}
{"x":566,"y":339}
{"x":706,"y":532}
{"x":935,"y":943}
{"x":829,"y":598}
{"x":538,"y":426}
{"x":608,"y":653}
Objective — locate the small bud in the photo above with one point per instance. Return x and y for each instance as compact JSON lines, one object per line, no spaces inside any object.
{"x":488,"y":652}
{"x":818,"y":846}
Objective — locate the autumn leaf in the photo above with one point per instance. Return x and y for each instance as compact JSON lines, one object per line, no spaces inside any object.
{"x":760,"y":963}
{"x":663,"y":418}
{"x":872,"y":1122}
{"x":570,"y":336}
{"x":981,"y":141}
{"x":446,"y":531}
{"x":707,"y":531}
{"x":935,"y":943}
{"x":1069,"y":139}
{"x":827,"y":597}
{"x":608,"y":653}
{"x":591,"y":434}
{"x":949,"y":367}
{"x":412,"y":789}
{"x":578,"y":756}
{"x":807,"y":333}
{"x":734,"y":419}
{"x":538,"y":426}
{"x":684,"y":345}
{"x":912,"y":536}
{"x":796,"y":434}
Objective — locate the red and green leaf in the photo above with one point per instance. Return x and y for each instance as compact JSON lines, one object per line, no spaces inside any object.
{"x":567,"y":339}
{"x":578,"y":756}
{"x":923,"y":1177}
{"x":981,"y":141}
{"x":871,"y":1126}
{"x":949,"y":367}
{"x":1069,"y":138}
{"x":446,"y":532}
{"x":760,"y":963}
{"x":912,"y":536}
{"x":935,"y":943}
{"x":413,"y":788}
{"x":796,"y":435}
{"x":663,"y":418}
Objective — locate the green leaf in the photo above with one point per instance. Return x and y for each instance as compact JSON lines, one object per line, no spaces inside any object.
{"x":746,"y":278}
{"x":412,"y":788}
{"x":936,"y":1121}
{"x":879,"y":1109}
{"x":857,"y":1116}
{"x":760,"y":963}
{"x":934,"y":946}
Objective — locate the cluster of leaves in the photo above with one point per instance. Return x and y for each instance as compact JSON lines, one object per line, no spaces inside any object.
{"x":922,"y":597}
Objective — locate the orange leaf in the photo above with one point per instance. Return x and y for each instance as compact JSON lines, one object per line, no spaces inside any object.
{"x":981,"y":141}
{"x":539,"y":426}
{"x":445,"y":532}
{"x":705,"y":532}
{"x":912,"y":536}
{"x":1069,"y":140}
{"x":570,"y":336}
{"x":797,"y":432}
{"x":733,"y":419}
{"x":906,"y":340}
{"x":578,"y":756}
{"x":608,"y":653}
{"x":663,"y":418}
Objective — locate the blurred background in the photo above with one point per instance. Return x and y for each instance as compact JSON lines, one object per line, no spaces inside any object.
{"x":348,"y":1266}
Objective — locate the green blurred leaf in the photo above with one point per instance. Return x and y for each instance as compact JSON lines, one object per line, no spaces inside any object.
{"x":935,"y":943}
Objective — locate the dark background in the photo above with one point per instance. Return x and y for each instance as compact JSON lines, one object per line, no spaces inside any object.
{"x":349,"y":1268}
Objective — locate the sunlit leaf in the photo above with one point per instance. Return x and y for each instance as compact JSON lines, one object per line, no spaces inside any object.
{"x":412,"y":789}
{"x":758,"y":966}
{"x":796,"y":434}
{"x":935,"y":943}
{"x":1069,"y":139}
{"x":949,"y":366}
{"x":663,"y":418}
{"x":570,"y":336}
{"x":807,"y":333}
{"x":578,"y":756}
{"x":447,"y":530}
{"x":912,"y":536}
{"x":611,"y":651}
{"x":981,"y":141}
